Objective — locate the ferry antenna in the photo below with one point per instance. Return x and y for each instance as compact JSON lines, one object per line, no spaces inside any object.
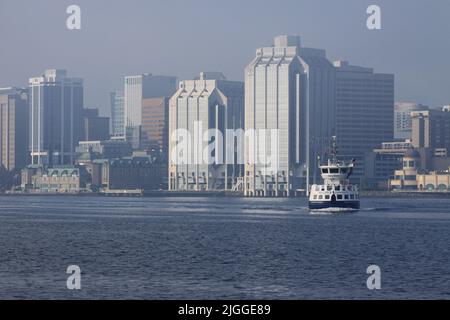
{"x":334,"y":149}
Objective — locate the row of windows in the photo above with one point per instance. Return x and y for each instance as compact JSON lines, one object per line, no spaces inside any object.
{"x":336,"y":188}
{"x":409,"y":164}
{"x":338,"y":197}
{"x":259,"y":173}
{"x":335,"y":171}
{"x":407,"y":177}
{"x":59,"y":186}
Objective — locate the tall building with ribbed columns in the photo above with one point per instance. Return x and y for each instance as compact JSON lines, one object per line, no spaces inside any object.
{"x":291,"y":89}
{"x":210,"y":102}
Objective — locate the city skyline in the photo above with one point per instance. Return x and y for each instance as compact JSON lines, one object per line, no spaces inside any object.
{"x":290,"y":88}
{"x":298,"y":90}
{"x":224,"y":158}
{"x":151,"y":47}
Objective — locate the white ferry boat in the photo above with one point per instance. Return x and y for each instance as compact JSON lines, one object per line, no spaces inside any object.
{"x":336,"y":193}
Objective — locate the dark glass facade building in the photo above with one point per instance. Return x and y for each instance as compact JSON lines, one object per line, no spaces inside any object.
{"x":56,"y":111}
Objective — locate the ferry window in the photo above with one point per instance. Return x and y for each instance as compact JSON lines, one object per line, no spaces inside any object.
{"x":352,"y":196}
{"x":317,"y":188}
{"x":334,"y":170}
{"x":329,"y":188}
{"x":320,"y":197}
{"x":346,"y":197}
{"x":324,"y":170}
{"x":339,"y":196}
{"x":327,"y":197}
{"x":337,"y":188}
{"x":315,"y":197}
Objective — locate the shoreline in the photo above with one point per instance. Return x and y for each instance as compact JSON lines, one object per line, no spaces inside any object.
{"x":403,"y":194}
{"x":200,"y":194}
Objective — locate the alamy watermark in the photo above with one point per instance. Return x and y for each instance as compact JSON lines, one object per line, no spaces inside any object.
{"x":374,"y":280}
{"x":73,"y":22}
{"x":214,"y":147}
{"x":374,"y":19}
{"x":74,"y":280}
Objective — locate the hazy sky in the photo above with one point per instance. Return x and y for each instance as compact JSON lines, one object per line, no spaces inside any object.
{"x":184,"y":37}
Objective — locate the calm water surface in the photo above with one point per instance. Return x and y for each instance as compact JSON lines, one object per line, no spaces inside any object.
{"x":222,"y":248}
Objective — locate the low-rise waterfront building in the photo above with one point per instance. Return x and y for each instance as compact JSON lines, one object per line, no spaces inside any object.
{"x":412,"y":176}
{"x":129,"y":173}
{"x":88,"y":151}
{"x":58,"y":179}
{"x":434,"y":181}
{"x":381,"y":163}
{"x":137,"y":172}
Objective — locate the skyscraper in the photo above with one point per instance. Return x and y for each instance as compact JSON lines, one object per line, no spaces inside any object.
{"x":364,"y":112}
{"x":95,"y":127}
{"x":154,"y":133}
{"x":13,"y":128}
{"x":142,"y":87}
{"x":155,"y":125}
{"x":290,"y":89}
{"x":209,"y":103}
{"x":431,"y":129}
{"x":117,"y":114}
{"x":402,"y":118}
{"x":56,"y":107}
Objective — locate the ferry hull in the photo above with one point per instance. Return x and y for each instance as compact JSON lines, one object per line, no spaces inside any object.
{"x":317,"y":205}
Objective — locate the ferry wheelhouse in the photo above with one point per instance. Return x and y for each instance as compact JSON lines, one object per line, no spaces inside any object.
{"x":336,"y":192}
